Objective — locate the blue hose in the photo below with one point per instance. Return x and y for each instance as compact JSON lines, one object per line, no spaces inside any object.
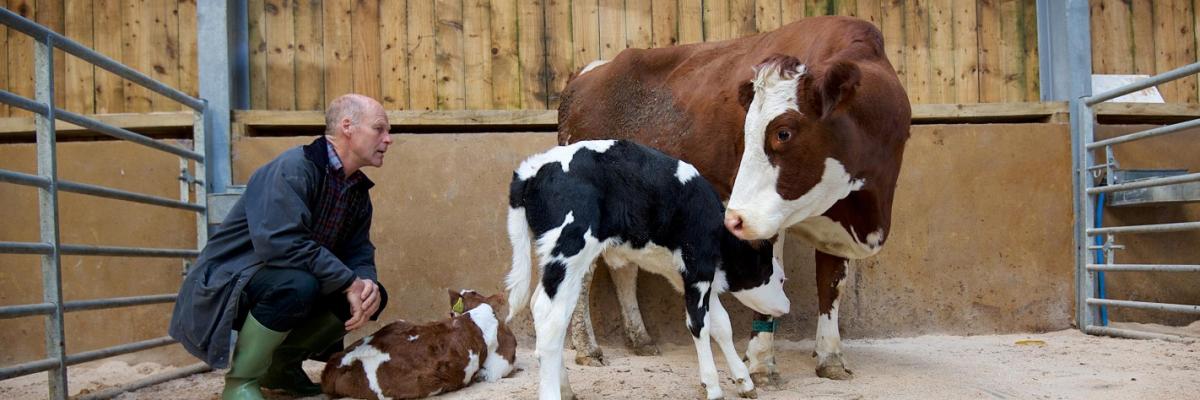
{"x":1100,"y":259}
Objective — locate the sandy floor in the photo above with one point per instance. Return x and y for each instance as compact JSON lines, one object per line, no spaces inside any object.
{"x":1063,"y":365}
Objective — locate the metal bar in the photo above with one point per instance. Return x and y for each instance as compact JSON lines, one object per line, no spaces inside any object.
{"x":123,"y":133}
{"x":1180,"y":308}
{"x":31,"y":367}
{"x":25,"y":248}
{"x":118,"y":350}
{"x":43,"y":34}
{"x":47,"y":162}
{"x":21,"y":102}
{"x":88,"y":250}
{"x":1170,"y":180}
{"x":1082,"y":125}
{"x":1162,"y":130}
{"x":101,"y":191}
{"x":1132,"y":334}
{"x":1155,"y":228}
{"x":1190,"y":69}
{"x":96,"y":125}
{"x":174,"y":374}
{"x":18,"y":178}
{"x":25,"y":310}
{"x":1144,"y":267}
{"x":116,"y":302}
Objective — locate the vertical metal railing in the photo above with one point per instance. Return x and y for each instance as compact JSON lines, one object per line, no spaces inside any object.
{"x":1088,"y":170}
{"x":53,"y":307}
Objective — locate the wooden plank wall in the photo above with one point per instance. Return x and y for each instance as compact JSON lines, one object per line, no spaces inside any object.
{"x":517,"y":54}
{"x":155,"y":37}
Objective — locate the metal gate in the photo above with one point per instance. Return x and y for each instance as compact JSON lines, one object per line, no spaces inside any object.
{"x":1098,"y":173}
{"x":192,"y":170}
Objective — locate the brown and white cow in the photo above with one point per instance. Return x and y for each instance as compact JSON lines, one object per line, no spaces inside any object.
{"x":802,"y":128}
{"x":405,"y":361}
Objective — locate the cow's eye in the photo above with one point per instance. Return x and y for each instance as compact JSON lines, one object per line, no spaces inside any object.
{"x":784,"y":135}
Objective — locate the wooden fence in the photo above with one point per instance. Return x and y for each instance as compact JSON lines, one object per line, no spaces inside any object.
{"x":517,"y":54}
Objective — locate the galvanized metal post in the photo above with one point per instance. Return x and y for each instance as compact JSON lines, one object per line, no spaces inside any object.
{"x":213,"y":30}
{"x":1079,"y":58}
{"x":1053,"y":67}
{"x":199,"y":141}
{"x":48,"y":217}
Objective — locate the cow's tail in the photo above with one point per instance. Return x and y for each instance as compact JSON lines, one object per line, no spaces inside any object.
{"x":521,"y":273}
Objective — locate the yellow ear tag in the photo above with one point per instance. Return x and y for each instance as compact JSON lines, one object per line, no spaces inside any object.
{"x":458,"y":306}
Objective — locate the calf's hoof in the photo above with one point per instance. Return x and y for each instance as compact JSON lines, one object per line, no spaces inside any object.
{"x":835,"y":372}
{"x":750,"y":394}
{"x":710,"y":394}
{"x":767,"y":379}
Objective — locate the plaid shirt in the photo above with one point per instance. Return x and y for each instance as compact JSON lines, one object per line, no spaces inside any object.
{"x":330,"y":214}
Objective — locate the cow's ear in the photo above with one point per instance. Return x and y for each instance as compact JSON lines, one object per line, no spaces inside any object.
{"x":837,"y":86}
{"x":746,"y":94}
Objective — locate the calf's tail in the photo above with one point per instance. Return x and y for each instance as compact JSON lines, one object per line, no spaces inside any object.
{"x":518,"y":278}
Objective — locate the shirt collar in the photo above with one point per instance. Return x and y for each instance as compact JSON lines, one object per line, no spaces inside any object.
{"x":335,"y":162}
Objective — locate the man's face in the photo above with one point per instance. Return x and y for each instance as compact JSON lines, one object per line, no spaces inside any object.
{"x":369,"y":138}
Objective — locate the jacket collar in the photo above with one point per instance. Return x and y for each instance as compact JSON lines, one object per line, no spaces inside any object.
{"x":318,"y":153}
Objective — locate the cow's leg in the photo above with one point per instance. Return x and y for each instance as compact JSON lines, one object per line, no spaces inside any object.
{"x":831,"y":272}
{"x":583,"y":338}
{"x":695,"y":296}
{"x":624,"y":277}
{"x":722,"y":333}
{"x":760,"y":352}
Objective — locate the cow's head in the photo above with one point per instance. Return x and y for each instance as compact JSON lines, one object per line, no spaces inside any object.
{"x":466,"y":300}
{"x":753,"y":275}
{"x":797,"y":136}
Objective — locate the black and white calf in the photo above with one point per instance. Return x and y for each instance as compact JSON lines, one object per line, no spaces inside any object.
{"x":631,"y":204}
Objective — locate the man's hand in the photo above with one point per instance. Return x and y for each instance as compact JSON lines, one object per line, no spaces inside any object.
{"x":363,"y":296}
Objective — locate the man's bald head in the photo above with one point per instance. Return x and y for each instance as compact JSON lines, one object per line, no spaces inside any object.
{"x":350,"y":106}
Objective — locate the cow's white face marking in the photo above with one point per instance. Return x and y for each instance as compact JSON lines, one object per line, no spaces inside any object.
{"x":685,"y":172}
{"x":371,"y":358}
{"x":755,"y":197}
{"x":561,"y":155}
{"x":770,"y":298}
{"x":764,"y":212}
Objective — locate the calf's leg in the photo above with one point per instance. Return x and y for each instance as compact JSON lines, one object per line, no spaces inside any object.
{"x":698,"y":323}
{"x":722,"y":333}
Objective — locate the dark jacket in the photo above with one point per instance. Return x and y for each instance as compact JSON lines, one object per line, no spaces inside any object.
{"x":271,"y":225}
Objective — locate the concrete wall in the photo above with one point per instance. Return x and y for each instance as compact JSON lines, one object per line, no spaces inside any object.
{"x":981,"y":241}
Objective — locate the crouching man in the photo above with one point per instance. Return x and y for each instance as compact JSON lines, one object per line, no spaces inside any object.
{"x":292,"y":268}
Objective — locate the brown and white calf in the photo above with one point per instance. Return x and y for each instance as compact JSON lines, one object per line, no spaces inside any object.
{"x":406,"y":361}
{"x":631,"y":204}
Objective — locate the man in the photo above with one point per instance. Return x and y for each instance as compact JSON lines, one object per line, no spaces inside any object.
{"x":292,"y":267}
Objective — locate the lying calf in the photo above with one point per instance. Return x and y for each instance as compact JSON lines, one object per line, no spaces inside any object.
{"x":405,"y":361}
{"x":633,"y":205}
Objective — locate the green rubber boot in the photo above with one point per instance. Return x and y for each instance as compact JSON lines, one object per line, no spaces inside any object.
{"x":312,"y":337}
{"x":251,"y":359}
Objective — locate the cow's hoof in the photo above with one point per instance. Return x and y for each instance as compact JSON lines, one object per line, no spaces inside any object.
{"x":835,"y":372}
{"x":767,"y":379}
{"x":591,"y":360}
{"x":646,"y":349}
{"x":752,"y":394}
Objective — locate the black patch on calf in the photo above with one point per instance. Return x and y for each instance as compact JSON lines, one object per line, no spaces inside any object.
{"x":553,"y":276}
